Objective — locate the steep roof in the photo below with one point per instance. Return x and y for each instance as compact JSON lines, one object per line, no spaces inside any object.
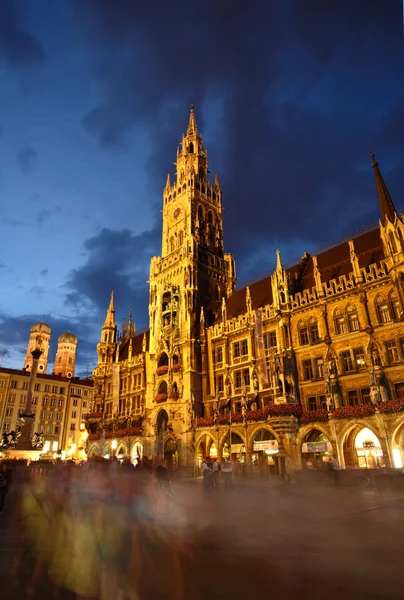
{"x":332,"y":263}
{"x":137,"y":345}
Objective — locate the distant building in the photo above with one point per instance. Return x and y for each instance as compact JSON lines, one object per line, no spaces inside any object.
{"x":307,"y":362}
{"x":60,"y":401}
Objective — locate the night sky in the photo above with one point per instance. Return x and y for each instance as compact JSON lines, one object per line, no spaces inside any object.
{"x":290,"y":95}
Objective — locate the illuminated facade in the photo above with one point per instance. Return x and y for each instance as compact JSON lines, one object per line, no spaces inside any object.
{"x":306,"y":362}
{"x":60,"y":401}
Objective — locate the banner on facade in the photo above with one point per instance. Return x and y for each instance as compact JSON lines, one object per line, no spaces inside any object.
{"x":266,"y":445}
{"x":115,"y":388}
{"x":260,"y":351}
{"x":237,"y":448}
{"x":316,"y":447}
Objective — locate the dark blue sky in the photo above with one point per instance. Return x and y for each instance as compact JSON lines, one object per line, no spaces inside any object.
{"x":290,"y":95}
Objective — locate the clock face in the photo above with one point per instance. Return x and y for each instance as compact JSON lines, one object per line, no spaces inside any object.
{"x":177,"y":213}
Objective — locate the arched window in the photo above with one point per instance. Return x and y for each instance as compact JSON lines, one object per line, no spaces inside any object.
{"x":162,"y":388}
{"x":340,"y":322}
{"x":352,"y":318}
{"x":210,"y":217}
{"x":191,"y":148}
{"x":180,"y":238}
{"x":303,"y":334}
{"x":395,"y":305}
{"x":383,"y":309}
{"x":313,"y":331}
{"x":197,"y":185}
{"x":163,"y":360}
{"x":209,"y":193}
{"x":200,"y":213}
{"x":203,"y":189}
{"x":172,"y":247}
{"x":214,"y":196}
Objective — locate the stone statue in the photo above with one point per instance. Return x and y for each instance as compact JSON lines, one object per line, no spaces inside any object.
{"x":332,"y":367}
{"x":375,"y":357}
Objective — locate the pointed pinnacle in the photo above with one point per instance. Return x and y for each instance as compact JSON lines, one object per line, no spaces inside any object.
{"x":192,"y":128}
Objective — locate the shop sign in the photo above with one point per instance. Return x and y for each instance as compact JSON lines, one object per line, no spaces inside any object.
{"x":237,"y":448}
{"x":316,"y":447}
{"x":266,"y":445}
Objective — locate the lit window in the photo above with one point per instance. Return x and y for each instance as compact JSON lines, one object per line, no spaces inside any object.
{"x":359,"y":358}
{"x":346,"y":359}
{"x":307,"y":370}
{"x":353,"y":321}
{"x":340,"y":325}
{"x":392,"y":351}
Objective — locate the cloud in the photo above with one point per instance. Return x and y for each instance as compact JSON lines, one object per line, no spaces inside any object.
{"x":45,"y":214}
{"x":15,"y":330}
{"x":294,"y":84}
{"x":18,"y":47}
{"x":118,"y":261}
{"x":44,"y":272}
{"x":26,"y":158}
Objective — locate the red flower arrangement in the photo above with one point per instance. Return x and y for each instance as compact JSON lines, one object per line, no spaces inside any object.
{"x":313,"y":416}
{"x":163,"y":370}
{"x":236,"y":418}
{"x":160,"y":398}
{"x":391,"y":406}
{"x":349,"y":412}
{"x":174,"y":395}
{"x":92,"y":415}
{"x":222,"y":419}
{"x":93,"y":436}
{"x":134,"y":431}
{"x":256,"y":415}
{"x":284,"y":410}
{"x":176,"y":367}
{"x":205,"y":422}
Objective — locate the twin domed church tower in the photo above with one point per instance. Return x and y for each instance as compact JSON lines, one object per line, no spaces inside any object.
{"x":65,"y":359}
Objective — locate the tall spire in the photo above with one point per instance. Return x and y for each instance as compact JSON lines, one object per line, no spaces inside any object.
{"x":387,"y":207}
{"x":110,"y":318}
{"x":192,"y":128}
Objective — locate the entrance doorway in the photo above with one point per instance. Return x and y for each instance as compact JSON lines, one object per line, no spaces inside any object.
{"x":264,"y":459}
{"x":236,"y":454}
{"x":316,"y":450}
{"x":368,"y":450}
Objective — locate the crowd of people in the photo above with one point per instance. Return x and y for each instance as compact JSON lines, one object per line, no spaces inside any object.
{"x":213,"y":471}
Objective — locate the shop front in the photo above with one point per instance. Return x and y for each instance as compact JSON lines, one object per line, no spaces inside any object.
{"x":264,"y":458}
{"x":368,"y":450}
{"x":316,"y":450}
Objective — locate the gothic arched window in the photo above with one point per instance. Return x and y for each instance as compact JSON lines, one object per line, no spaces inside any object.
{"x":352,"y":318}
{"x":339,"y":322}
{"x":393,"y":244}
{"x":191,"y":148}
{"x":395,"y":305}
{"x":210,"y":217}
{"x":303,"y":334}
{"x":313,"y":331}
{"x":382,"y":309}
{"x":162,"y":388}
{"x":163,"y":360}
{"x":201,"y":215}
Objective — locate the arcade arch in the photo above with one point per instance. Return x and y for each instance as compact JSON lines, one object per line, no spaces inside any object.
{"x":362,"y":448}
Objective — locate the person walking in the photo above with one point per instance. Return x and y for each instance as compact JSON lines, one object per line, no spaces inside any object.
{"x":5,"y":480}
{"x":206,"y":475}
{"x":335,"y":469}
{"x":227,"y":471}
{"x":215,"y":474}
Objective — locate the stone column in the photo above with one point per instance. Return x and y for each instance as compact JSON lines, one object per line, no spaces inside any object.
{"x":36,"y":354}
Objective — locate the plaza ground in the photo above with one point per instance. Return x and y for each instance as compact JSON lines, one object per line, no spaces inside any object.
{"x":257,"y":541}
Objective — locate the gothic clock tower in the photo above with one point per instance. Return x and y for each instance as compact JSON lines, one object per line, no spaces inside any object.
{"x":187,"y":282}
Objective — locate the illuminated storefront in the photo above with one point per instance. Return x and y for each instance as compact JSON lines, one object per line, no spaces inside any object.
{"x":368,"y":450}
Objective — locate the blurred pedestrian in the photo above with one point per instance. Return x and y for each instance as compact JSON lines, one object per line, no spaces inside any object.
{"x":206,"y":475}
{"x":335,"y":469}
{"x":309,"y":464}
{"x":5,"y":480}
{"x":227,"y":471}
{"x":215,"y":473}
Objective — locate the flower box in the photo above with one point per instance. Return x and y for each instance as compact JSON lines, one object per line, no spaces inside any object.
{"x":314,"y":416}
{"x":355,"y":412}
{"x":391,"y":406}
{"x":163,"y":370}
{"x":222,"y":420}
{"x":93,"y":436}
{"x":160,"y":398}
{"x":174,"y":395}
{"x":256,"y":415}
{"x":284,"y":410}
{"x":205,"y":422}
{"x":92,"y":415}
{"x":176,"y":367}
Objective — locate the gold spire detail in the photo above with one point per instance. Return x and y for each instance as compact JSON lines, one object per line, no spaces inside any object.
{"x":387,"y":207}
{"x":192,"y":128}
{"x":110,"y":318}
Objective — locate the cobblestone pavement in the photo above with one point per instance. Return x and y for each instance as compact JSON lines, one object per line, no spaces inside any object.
{"x":254,"y":541}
